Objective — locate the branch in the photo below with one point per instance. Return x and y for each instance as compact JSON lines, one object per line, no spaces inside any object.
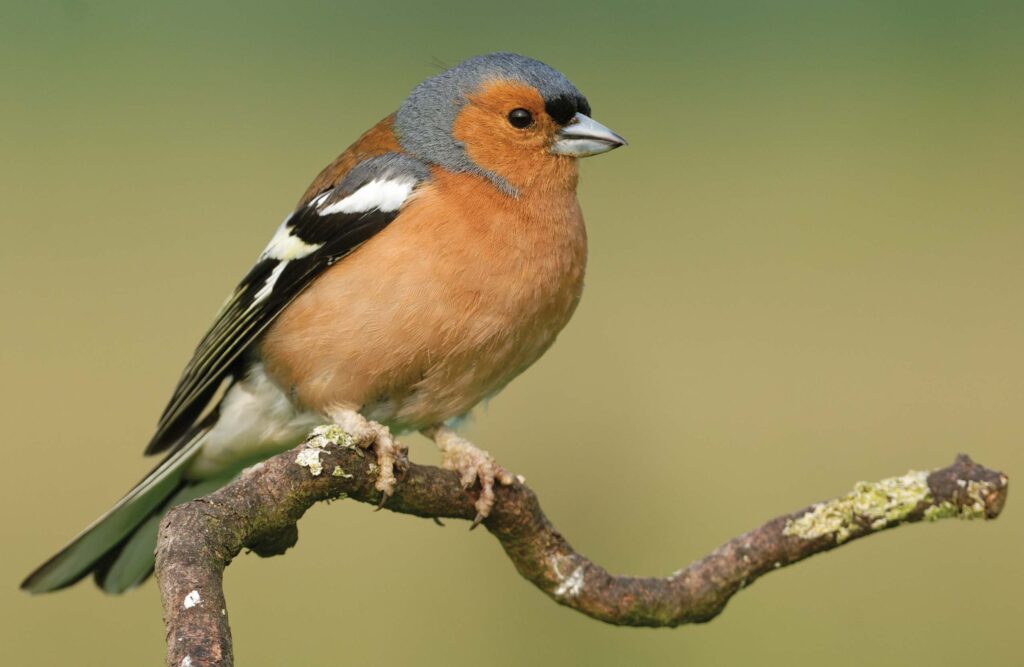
{"x":259,"y":511}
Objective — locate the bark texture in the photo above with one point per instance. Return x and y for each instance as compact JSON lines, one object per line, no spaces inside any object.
{"x":259,"y":511}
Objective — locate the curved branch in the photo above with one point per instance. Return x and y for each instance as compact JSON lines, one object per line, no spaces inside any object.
{"x":259,"y":511}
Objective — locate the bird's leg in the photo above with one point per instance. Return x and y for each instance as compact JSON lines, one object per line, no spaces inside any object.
{"x":472,"y":464}
{"x":377,"y":437}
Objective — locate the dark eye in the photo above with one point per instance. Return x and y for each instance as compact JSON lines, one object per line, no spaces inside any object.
{"x":520,"y":118}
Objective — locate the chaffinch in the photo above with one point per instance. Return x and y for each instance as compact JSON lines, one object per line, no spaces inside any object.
{"x":427,"y":266}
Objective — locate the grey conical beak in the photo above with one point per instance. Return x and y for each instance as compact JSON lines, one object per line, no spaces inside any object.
{"x":584,"y":136}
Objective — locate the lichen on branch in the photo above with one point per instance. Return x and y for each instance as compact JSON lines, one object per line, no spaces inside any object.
{"x":872,"y":506}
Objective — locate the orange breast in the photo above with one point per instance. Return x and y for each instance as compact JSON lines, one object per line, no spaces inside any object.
{"x":462,"y":292}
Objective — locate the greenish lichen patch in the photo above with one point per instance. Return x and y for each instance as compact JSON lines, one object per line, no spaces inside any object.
{"x":317,"y":443}
{"x":330,"y":434}
{"x":944,"y":510}
{"x":310,"y":458}
{"x":870,"y":506}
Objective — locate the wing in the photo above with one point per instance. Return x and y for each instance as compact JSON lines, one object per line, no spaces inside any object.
{"x":315,"y":236}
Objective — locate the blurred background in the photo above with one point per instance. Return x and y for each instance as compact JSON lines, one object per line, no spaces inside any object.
{"x":806,"y":270}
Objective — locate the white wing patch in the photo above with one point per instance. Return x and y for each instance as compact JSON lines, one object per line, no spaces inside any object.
{"x":286,"y":246}
{"x":385,"y":196}
{"x":263,"y":292}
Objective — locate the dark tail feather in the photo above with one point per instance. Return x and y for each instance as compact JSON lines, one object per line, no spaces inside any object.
{"x":99,"y":546}
{"x":130,"y":563}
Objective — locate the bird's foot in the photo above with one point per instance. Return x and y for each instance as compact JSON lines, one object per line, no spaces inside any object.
{"x":376,"y":437}
{"x":473,"y":465}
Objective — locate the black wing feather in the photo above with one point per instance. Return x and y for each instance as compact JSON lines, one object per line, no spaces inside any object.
{"x":248,"y":312}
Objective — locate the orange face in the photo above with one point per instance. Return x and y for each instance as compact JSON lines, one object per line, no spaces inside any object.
{"x":506,"y":130}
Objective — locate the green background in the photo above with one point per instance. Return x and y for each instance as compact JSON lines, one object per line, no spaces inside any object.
{"x":806,"y":269}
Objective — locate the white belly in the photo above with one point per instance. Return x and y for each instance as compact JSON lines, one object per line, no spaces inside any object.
{"x":256,"y":420}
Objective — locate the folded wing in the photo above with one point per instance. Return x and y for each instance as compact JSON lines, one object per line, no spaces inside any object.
{"x":317,"y":235}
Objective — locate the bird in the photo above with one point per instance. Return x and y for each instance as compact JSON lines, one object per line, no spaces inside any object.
{"x":433,"y":261}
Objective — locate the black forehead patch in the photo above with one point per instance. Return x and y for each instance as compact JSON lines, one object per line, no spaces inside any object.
{"x":563,"y":107}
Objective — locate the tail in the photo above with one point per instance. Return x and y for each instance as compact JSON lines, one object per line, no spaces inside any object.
{"x":118,"y":547}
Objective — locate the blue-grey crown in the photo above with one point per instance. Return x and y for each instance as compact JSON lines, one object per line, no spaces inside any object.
{"x":425,"y":119}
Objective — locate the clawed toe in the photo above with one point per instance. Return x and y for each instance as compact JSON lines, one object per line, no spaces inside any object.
{"x":377,"y":438}
{"x":475,"y":466}
{"x":390,"y":455}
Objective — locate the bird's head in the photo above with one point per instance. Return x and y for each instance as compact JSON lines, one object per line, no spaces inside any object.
{"x":505,"y":117}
